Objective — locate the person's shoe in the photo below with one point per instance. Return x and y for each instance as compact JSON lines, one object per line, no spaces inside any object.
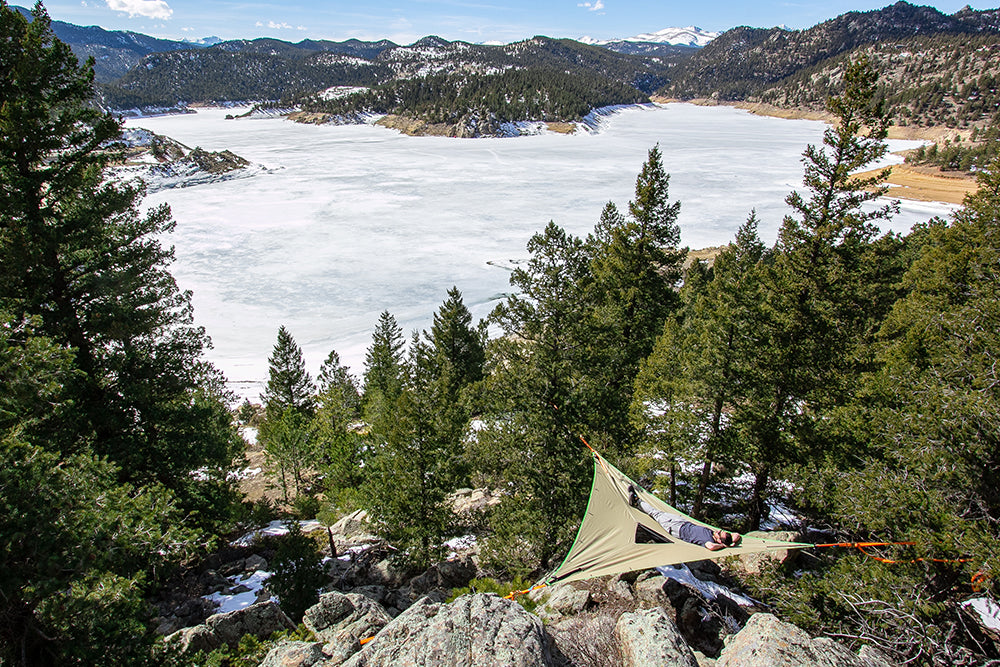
{"x":633,"y":497}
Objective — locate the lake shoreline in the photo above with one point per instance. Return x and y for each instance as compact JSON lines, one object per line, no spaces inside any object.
{"x":914,"y":182}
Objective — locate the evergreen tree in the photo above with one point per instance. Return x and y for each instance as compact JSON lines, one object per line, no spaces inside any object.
{"x":636,"y":266}
{"x":383,"y":366}
{"x":420,"y":455}
{"x":690,"y":386}
{"x":817,"y":309}
{"x":289,"y":448}
{"x":77,"y":547}
{"x":338,"y":445}
{"x":450,"y":360}
{"x":289,"y":385}
{"x":409,"y":475}
{"x":77,"y":254}
{"x":298,"y":572}
{"x":458,"y":348}
{"x":930,"y":415}
{"x":528,"y":444}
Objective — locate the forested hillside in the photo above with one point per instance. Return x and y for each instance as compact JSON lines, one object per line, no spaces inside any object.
{"x":222,"y":75}
{"x":433,"y":79}
{"x":936,"y":70}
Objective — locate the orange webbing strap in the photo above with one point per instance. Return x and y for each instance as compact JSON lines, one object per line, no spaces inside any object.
{"x":514,"y":594}
{"x":366,"y":640}
{"x":860,"y":546}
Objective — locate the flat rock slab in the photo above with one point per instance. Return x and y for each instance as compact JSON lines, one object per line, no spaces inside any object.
{"x":481,"y":630}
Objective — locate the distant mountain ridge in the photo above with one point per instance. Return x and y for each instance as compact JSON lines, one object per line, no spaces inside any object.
{"x":115,"y":52}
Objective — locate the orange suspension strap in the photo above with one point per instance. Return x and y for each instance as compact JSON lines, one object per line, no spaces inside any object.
{"x":860,"y":546}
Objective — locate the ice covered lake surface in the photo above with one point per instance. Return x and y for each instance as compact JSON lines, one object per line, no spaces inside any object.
{"x":354,"y":220}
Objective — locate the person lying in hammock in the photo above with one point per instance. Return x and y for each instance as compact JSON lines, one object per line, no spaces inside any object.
{"x":679,"y":527}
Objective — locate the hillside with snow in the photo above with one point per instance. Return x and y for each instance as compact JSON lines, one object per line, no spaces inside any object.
{"x":689,"y":36}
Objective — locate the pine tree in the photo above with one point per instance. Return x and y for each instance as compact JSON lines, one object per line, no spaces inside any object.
{"x":528,"y":443}
{"x":298,"y":572}
{"x":77,"y":254}
{"x":289,"y":385}
{"x":77,"y":545}
{"x":817,"y":308}
{"x":636,"y":267}
{"x":929,"y":415}
{"x":383,"y":366}
{"x":690,"y":386}
{"x":420,"y":452}
{"x":449,"y":361}
{"x":339,"y":408}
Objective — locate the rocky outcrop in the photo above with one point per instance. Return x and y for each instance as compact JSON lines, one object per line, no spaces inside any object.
{"x":754,"y":563}
{"x":341,"y":621}
{"x":561,"y":600}
{"x":294,"y":654}
{"x":480,"y":630}
{"x":260,"y":620}
{"x":163,"y":163}
{"x":767,"y":642}
{"x":650,"y":637}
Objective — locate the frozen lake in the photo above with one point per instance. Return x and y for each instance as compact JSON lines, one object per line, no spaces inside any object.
{"x":355,"y":220}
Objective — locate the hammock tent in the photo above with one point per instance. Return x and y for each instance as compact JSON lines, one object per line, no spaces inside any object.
{"x":615,"y":537}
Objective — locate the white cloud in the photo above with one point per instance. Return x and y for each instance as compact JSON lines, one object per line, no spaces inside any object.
{"x":154,"y":9}
{"x":595,"y":6}
{"x":273,"y":25}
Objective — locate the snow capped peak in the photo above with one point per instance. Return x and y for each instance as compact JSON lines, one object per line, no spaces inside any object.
{"x":689,"y":36}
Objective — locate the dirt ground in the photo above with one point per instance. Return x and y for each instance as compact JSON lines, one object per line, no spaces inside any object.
{"x":928,"y":184}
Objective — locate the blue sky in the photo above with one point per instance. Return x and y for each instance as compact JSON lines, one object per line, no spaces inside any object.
{"x":404,"y":21}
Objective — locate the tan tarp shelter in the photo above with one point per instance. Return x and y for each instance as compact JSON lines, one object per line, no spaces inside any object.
{"x":615,"y":537}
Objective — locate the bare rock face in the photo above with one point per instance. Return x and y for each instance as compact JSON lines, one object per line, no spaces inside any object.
{"x":753,"y":563}
{"x":260,"y":620}
{"x":341,"y":621}
{"x":294,"y":654}
{"x":767,"y":642}
{"x":480,"y":630}
{"x":650,"y":637}
{"x":561,"y":600}
{"x":355,"y":527}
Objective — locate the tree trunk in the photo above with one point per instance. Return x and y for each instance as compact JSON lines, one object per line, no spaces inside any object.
{"x":758,"y":503}
{"x":673,"y":484}
{"x":699,"y":498}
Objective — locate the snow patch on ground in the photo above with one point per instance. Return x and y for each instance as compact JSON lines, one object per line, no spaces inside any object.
{"x":182,"y":174}
{"x":988,"y":611}
{"x":351,"y":553}
{"x":709,"y":589}
{"x":245,"y":473}
{"x":274,"y":529}
{"x":254,"y":582}
{"x":457,"y":544}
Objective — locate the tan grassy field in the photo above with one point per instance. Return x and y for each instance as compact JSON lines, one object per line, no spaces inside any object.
{"x":928,"y":184}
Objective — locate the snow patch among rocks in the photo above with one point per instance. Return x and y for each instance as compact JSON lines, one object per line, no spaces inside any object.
{"x":709,"y":589}
{"x":243,"y":599}
{"x":274,"y":529}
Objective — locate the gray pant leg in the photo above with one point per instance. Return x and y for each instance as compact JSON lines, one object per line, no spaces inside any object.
{"x":677,"y":525}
